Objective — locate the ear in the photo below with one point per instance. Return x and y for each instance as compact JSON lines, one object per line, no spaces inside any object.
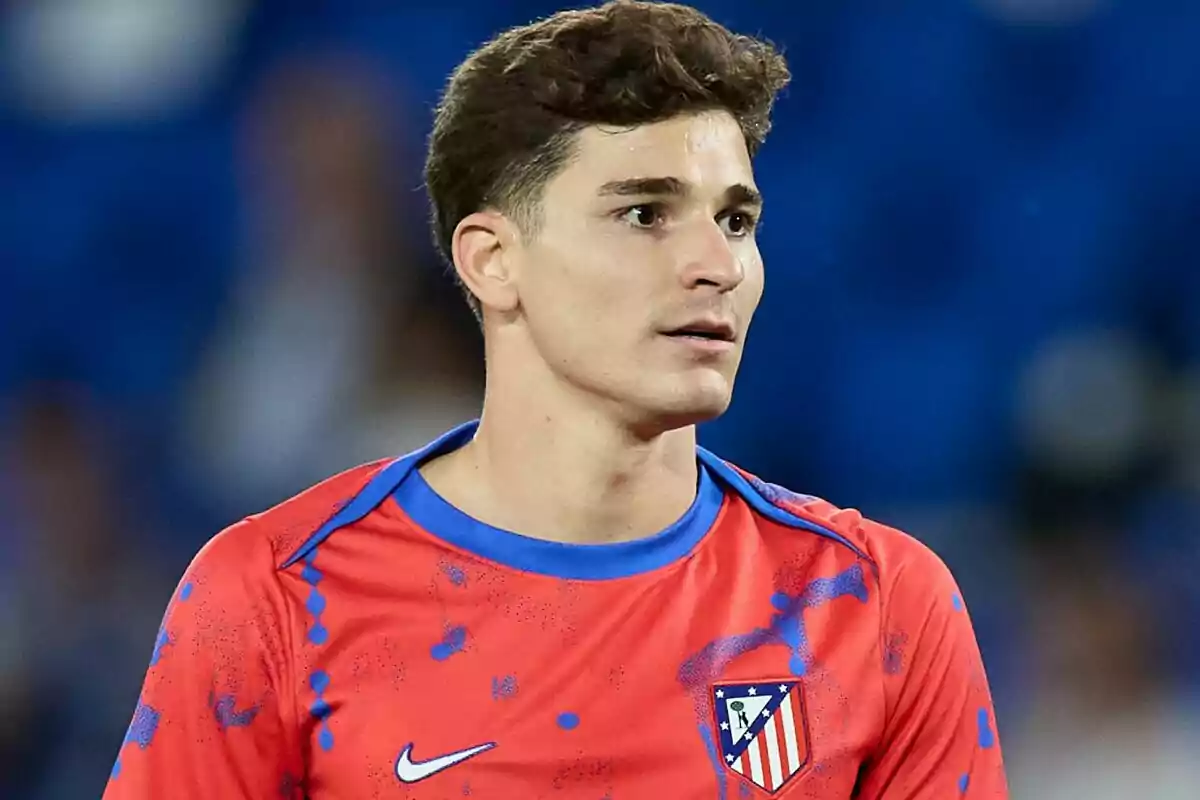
{"x":481,"y":248}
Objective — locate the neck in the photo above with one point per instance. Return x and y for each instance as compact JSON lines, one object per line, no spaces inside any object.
{"x":566,"y":471}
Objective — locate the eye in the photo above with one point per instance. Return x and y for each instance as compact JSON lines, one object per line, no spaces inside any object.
{"x":738,"y":223}
{"x":646,"y":216}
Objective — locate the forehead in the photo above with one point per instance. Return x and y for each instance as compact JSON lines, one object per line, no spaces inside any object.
{"x":706,"y":150}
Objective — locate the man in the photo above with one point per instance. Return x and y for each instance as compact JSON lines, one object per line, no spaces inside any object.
{"x":663,"y":625}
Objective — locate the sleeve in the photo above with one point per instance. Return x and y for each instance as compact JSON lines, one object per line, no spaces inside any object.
{"x":215,"y":717}
{"x":939,"y":738}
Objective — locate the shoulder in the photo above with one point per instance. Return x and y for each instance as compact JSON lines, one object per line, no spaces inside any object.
{"x":896,"y":556}
{"x":261,"y":542}
{"x":892,"y":550}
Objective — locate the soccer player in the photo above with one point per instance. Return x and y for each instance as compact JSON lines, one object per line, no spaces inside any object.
{"x":569,"y":599}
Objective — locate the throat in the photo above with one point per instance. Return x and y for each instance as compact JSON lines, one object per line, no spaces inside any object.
{"x":623,"y":513}
{"x":553,"y":501}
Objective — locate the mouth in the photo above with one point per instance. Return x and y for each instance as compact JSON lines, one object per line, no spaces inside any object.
{"x":711,"y":336}
{"x":706,"y":330}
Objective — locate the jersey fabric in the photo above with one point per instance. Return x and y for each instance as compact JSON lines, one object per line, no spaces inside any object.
{"x":366,"y":639}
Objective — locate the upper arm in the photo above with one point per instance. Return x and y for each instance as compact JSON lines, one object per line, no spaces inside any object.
{"x":939,"y":739}
{"x":215,"y":716}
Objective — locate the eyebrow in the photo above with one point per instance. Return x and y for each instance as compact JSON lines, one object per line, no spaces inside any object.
{"x":739,"y":194}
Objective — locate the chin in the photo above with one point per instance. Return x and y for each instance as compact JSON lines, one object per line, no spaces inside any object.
{"x":691,"y":406}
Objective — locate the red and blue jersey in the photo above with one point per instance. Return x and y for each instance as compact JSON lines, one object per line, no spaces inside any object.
{"x":367,"y":639}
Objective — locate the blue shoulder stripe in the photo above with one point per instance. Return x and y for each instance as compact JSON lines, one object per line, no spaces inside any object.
{"x":390,"y":477}
{"x":380,"y":488}
{"x":758,"y":501}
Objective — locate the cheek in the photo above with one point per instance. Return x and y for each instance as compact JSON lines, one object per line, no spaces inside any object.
{"x":576,"y":304}
{"x":592,"y":294}
{"x":598,"y":287}
{"x":755,"y":278}
{"x":604,"y":277}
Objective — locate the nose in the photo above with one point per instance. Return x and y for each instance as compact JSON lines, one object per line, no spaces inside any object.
{"x":710,"y":259}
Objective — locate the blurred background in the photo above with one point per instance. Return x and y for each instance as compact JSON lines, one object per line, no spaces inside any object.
{"x":982,"y":324}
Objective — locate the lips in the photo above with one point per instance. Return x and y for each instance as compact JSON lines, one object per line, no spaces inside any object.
{"x":711,"y":329}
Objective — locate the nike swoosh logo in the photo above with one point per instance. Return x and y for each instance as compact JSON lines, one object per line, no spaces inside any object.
{"x":409,"y":771}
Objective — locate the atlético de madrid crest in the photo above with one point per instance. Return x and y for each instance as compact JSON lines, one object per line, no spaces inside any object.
{"x":762,"y":730}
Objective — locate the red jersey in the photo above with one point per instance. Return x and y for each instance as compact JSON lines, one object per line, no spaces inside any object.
{"x":366,"y":639}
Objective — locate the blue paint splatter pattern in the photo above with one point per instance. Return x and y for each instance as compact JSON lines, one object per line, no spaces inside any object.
{"x":987,"y":737}
{"x":320,"y":709}
{"x":504,"y":688}
{"x":986,"y":741}
{"x":318,"y":635}
{"x":705,"y":665}
{"x":161,"y":641}
{"x":788,"y":624}
{"x":787,"y":627}
{"x":454,"y":573}
{"x":226,"y":712}
{"x":164,"y":639}
{"x":141,"y":731}
{"x":714,"y":760}
{"x":144,"y":726}
{"x":453,"y":642}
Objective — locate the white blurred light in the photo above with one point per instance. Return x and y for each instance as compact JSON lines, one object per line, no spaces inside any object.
{"x":1041,"y":12}
{"x":103,"y":60}
{"x":1088,"y":404}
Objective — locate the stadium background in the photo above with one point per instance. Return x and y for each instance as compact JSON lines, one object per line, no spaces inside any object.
{"x":982,"y":324}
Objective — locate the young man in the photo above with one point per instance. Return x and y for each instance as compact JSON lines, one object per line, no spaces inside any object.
{"x":569,"y":599}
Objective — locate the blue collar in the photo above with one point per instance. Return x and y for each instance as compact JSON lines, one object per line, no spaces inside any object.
{"x":557,"y":559}
{"x":597,"y":561}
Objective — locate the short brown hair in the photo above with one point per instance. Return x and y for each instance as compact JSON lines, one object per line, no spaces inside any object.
{"x":508,"y":118}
